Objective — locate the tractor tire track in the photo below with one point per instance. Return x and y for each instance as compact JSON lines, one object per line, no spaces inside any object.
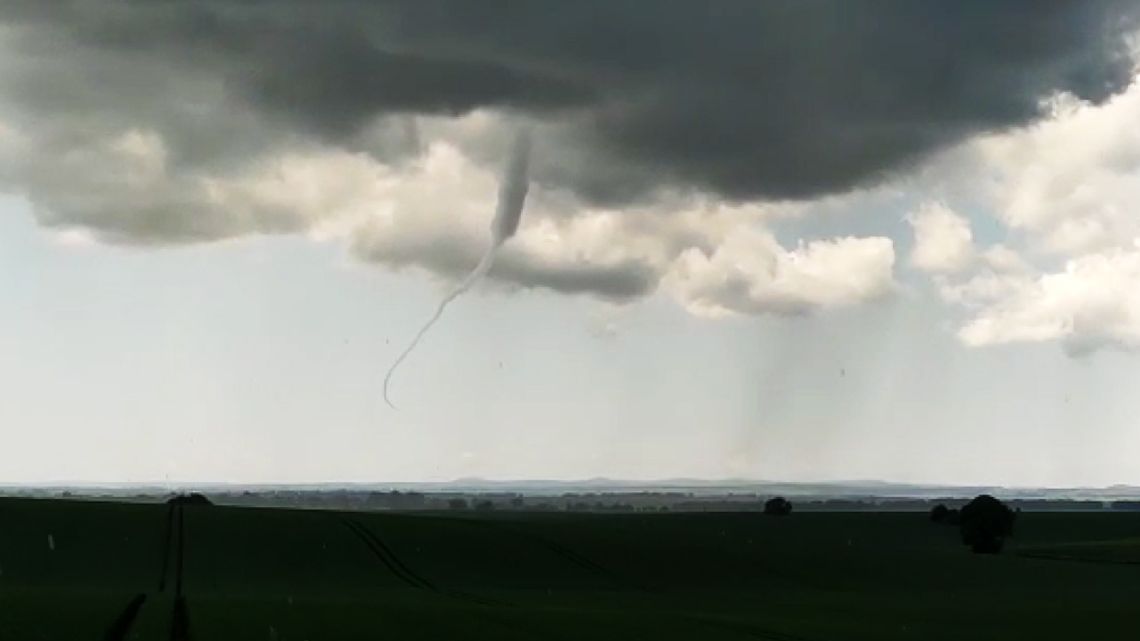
{"x":121,"y":626}
{"x":584,"y":562}
{"x":570,"y":555}
{"x":167,"y":533}
{"x":1042,"y":556}
{"x":385,"y":555}
{"x":180,"y":615}
{"x":398,"y":568}
{"x":749,"y":629}
{"x":180,"y":621}
{"x":180,"y":551}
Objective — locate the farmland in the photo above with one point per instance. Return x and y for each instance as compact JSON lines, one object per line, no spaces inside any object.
{"x":91,"y":570}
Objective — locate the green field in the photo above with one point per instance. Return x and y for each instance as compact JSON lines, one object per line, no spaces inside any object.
{"x":287,"y":575}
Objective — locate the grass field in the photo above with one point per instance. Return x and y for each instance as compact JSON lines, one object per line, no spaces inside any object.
{"x":86,"y":570}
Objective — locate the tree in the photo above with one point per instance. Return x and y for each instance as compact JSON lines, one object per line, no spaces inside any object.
{"x":484,"y":506}
{"x":193,"y":498}
{"x":985,"y":523}
{"x":778,"y":506}
{"x":457,"y":504}
{"x":938,"y":513}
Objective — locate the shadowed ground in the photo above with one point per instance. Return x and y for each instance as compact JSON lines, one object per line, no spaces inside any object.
{"x":247,"y":574}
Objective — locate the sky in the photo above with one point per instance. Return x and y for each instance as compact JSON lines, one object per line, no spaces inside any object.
{"x":784,"y":241}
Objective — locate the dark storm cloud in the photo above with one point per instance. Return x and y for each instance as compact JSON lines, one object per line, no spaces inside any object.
{"x":746,"y":99}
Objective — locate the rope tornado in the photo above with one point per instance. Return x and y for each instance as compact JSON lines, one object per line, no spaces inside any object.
{"x":508,"y":213}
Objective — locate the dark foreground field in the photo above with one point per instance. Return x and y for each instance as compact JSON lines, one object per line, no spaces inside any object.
{"x":75,"y":570}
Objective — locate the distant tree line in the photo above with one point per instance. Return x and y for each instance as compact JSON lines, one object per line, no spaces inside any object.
{"x":612,"y":501}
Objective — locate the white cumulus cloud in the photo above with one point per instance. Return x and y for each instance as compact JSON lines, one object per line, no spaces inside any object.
{"x":1066,"y":192}
{"x":1093,"y":301}
{"x":943,"y":241}
{"x":751,"y":273}
{"x":1070,"y":183}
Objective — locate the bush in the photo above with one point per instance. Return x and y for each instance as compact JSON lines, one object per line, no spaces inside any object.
{"x":939,"y":513}
{"x":457,"y":504}
{"x":193,"y":498}
{"x":985,"y":523}
{"x":944,"y":515}
{"x":778,"y":506}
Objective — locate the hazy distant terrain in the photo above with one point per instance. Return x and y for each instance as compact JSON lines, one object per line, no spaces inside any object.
{"x":604,"y":495}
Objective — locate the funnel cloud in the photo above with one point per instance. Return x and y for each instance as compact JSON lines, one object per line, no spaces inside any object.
{"x":508,"y":214}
